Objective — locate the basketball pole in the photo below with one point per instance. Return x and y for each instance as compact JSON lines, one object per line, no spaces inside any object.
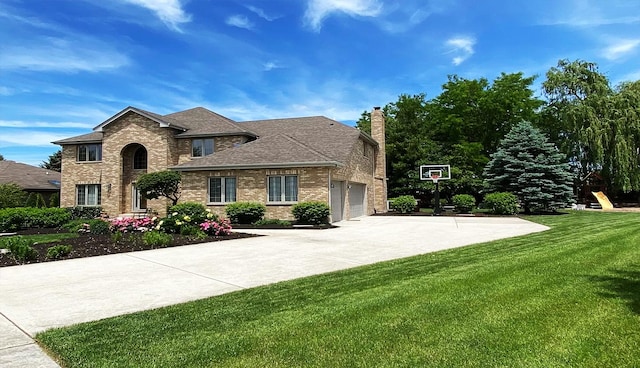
{"x":436,"y":199}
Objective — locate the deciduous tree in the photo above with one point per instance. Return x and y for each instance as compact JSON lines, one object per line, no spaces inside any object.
{"x":160,"y":184}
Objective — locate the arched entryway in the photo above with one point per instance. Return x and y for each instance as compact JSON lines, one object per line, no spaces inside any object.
{"x":134,"y":163}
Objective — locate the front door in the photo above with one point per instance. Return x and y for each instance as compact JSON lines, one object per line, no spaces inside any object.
{"x":138,"y":201}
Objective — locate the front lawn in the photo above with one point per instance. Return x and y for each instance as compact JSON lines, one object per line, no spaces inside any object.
{"x":567,"y":297}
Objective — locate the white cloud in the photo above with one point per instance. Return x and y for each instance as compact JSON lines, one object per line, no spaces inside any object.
{"x":591,"y":13}
{"x":5,"y":91}
{"x":270,"y":65}
{"x":318,"y":10}
{"x":259,"y":12}
{"x":169,"y":11}
{"x":28,"y":137}
{"x":240,"y":21}
{"x":620,"y":48}
{"x":461,"y":47}
{"x":64,"y":55}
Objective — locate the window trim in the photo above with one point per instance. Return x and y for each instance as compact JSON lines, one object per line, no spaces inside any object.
{"x":283,"y":189}
{"x":85,"y":190}
{"x":86,"y":152}
{"x":223,"y":191}
{"x":203,"y":145}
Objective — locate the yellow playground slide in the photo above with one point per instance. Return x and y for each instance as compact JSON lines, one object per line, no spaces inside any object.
{"x":603,"y":200}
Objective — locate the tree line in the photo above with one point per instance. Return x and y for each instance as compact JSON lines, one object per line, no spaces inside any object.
{"x":593,"y":125}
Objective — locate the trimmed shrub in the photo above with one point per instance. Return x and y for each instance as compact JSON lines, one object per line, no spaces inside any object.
{"x":245,"y":212}
{"x":157,"y":239}
{"x":190,"y":229}
{"x":13,"y":219}
{"x":501,"y":203}
{"x":276,"y":222}
{"x":464,"y":202}
{"x":31,"y":200}
{"x":20,"y":248}
{"x":82,"y":212}
{"x":58,"y":251}
{"x":40,"y":203}
{"x":314,"y":213}
{"x":404,"y":204}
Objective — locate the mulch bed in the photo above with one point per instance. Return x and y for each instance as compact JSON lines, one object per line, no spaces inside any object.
{"x":89,"y":245}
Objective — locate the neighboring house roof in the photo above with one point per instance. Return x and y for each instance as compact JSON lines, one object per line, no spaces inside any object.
{"x":273,"y":151}
{"x":29,"y":177}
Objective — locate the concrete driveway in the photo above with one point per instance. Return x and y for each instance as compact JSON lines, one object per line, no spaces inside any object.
{"x":37,"y":297}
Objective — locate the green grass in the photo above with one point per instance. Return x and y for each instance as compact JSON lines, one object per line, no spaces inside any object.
{"x":568,"y":297}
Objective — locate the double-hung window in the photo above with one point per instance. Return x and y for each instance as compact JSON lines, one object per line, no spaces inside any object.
{"x":201,"y":147}
{"x":222,"y":190}
{"x":90,"y":152}
{"x":282,"y":188}
{"x":88,"y":195}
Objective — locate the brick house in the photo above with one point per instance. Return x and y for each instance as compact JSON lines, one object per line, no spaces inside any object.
{"x":278,"y":162}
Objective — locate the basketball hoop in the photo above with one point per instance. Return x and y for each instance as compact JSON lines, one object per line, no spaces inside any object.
{"x":434,"y":178}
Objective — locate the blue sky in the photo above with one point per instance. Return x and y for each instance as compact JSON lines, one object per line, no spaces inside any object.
{"x":66,"y":66}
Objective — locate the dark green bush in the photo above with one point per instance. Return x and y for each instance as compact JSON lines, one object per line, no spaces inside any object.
{"x":245,"y":212}
{"x":314,"y":213}
{"x":40,"y":203}
{"x":156,"y":239}
{"x":276,"y":222}
{"x":11,"y":195}
{"x":189,"y":229}
{"x":31,"y":200}
{"x":464,"y":202}
{"x":82,"y":212}
{"x":404,"y":204}
{"x":197,"y":212}
{"x":19,"y":248}
{"x":13,"y":219}
{"x":58,"y":251}
{"x":54,"y":200}
{"x":501,"y":203}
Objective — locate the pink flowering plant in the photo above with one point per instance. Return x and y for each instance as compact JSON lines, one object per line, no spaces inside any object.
{"x":128,"y":224}
{"x":217,"y":228}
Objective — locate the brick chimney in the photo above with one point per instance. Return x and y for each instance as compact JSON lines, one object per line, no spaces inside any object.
{"x":380,"y":170}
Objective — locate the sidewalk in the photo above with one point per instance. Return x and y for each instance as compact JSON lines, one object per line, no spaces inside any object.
{"x":37,"y":297}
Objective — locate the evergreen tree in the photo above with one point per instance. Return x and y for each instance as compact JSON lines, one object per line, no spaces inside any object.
{"x":529,"y":166}
{"x":54,"y":163}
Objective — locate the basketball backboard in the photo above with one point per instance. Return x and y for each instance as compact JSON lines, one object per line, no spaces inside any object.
{"x":442,"y":171}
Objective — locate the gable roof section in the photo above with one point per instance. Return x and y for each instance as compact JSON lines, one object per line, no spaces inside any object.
{"x":200,"y":122}
{"x":29,"y":177}
{"x":149,"y":115}
{"x":329,"y":137}
{"x":273,"y":151}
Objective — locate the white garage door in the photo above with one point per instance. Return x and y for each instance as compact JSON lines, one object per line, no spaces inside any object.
{"x":356,"y":200}
{"x":337,"y":200}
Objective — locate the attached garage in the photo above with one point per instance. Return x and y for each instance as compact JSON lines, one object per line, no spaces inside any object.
{"x":357,"y":197}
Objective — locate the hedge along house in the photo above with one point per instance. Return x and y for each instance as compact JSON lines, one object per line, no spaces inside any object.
{"x":277,"y":162}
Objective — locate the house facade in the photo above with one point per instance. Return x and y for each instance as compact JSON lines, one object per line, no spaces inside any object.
{"x":278,"y":162}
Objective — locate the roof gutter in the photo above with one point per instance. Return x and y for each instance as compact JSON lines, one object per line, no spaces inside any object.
{"x":258,"y":166}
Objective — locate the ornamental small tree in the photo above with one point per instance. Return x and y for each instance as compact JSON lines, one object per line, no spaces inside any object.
{"x":160,"y":184}
{"x":529,"y":166}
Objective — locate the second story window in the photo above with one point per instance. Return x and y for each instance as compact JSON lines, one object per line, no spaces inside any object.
{"x":90,"y":152}
{"x":140,"y":159}
{"x":201,"y":147}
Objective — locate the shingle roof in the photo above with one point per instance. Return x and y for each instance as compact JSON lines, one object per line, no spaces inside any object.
{"x":95,"y":137}
{"x":277,"y":150}
{"x":200,"y":121}
{"x":29,"y":177}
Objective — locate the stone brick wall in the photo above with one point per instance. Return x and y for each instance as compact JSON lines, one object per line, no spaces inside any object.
{"x":74,"y":172}
{"x":252,"y":186}
{"x":359,"y":169}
